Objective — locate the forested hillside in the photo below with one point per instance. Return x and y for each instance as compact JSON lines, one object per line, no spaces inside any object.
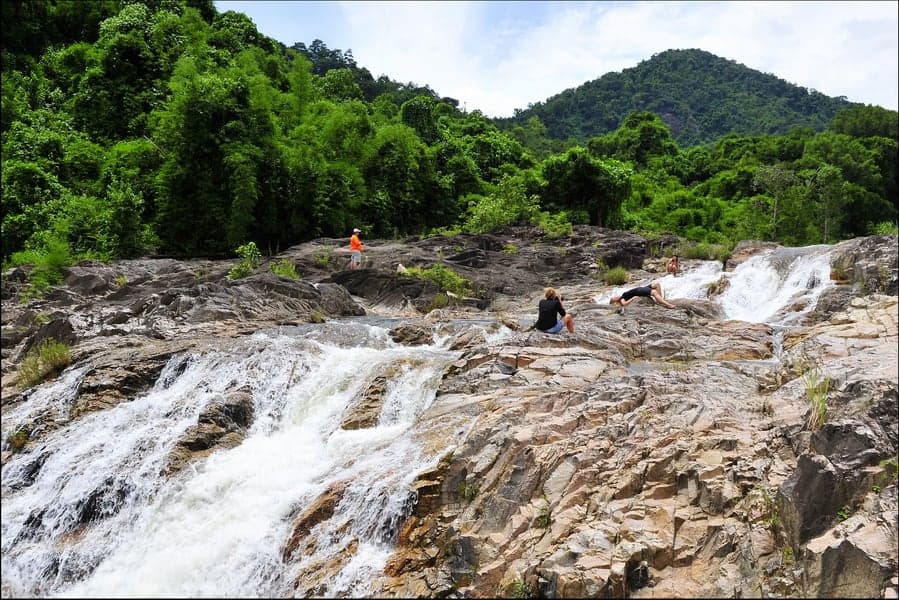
{"x":166,"y":127}
{"x":700,"y":96}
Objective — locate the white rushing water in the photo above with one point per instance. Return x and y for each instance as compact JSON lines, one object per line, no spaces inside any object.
{"x":777,"y":286}
{"x":217,"y":528}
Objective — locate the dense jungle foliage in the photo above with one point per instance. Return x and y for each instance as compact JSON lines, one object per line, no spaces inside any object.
{"x":163,"y":126}
{"x":700,"y":96}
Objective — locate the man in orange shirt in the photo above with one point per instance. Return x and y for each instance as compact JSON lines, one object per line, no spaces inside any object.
{"x":355,"y":250}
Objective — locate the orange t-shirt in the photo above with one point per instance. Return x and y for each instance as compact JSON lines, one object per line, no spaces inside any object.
{"x":355,"y":244}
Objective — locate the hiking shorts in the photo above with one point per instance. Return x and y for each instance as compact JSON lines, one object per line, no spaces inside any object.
{"x":555,"y":328}
{"x":356,"y":257}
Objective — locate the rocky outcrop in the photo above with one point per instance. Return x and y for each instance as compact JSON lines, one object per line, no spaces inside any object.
{"x":652,"y":453}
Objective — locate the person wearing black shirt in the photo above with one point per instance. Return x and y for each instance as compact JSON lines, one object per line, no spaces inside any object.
{"x":548,"y":308}
{"x":653,"y":290}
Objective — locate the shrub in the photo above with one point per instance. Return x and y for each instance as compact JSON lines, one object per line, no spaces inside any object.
{"x":18,"y":439}
{"x":468,"y":490}
{"x":510,"y":249}
{"x":46,"y":359}
{"x":121,"y":281}
{"x":285,"y":268}
{"x":519,"y":589}
{"x":439,"y":300}
{"x":48,"y":260}
{"x":446,"y":279}
{"x":249,"y":259}
{"x":323,"y":258}
{"x":544,"y":519}
{"x":615,"y":276}
{"x":816,"y":390}
{"x":705,"y":251}
{"x":885,"y":228}
{"x":554,"y":226}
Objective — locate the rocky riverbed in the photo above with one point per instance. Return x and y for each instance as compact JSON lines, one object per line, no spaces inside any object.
{"x":652,"y":453}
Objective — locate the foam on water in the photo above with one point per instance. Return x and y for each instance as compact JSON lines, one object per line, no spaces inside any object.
{"x":777,"y":286}
{"x":217,"y":528}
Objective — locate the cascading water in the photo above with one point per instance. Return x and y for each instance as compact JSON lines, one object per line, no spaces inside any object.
{"x":86,"y":512}
{"x":778,"y":286}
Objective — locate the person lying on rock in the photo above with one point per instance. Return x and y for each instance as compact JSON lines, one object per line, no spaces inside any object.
{"x":548,"y":308}
{"x":653,"y":290}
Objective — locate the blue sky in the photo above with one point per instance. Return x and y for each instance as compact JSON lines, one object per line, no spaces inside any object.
{"x":499,"y":56}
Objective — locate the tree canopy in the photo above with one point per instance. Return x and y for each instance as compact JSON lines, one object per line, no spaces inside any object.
{"x":164,"y":126}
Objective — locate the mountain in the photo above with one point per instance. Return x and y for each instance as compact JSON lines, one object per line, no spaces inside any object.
{"x":700,"y":96}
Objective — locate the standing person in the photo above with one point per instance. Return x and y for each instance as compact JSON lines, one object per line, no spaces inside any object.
{"x":548,"y":308}
{"x":653,"y":290}
{"x":355,"y":250}
{"x":673,"y":266}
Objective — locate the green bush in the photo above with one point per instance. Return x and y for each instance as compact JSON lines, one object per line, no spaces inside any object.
{"x":705,"y":251}
{"x":468,"y":490}
{"x":520,"y":589}
{"x":48,"y":260}
{"x":554,"y":226}
{"x":439,"y":300}
{"x":323,"y":258}
{"x":446,"y":279}
{"x":43,"y":361}
{"x":285,"y":268}
{"x":885,"y":228}
{"x":18,"y":439}
{"x":544,"y":519}
{"x":249,"y":259}
{"x":615,"y":276}
{"x":817,"y":388}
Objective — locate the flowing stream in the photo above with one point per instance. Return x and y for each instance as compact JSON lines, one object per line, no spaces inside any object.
{"x":86,"y":513}
{"x":777,"y":287}
{"x":217,"y":528}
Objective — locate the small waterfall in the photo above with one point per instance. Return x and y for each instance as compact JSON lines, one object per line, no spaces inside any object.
{"x":86,"y":512}
{"x":778,"y":286}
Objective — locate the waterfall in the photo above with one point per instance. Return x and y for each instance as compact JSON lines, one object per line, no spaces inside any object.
{"x":86,"y":512}
{"x":763,"y":288}
{"x":778,"y":286}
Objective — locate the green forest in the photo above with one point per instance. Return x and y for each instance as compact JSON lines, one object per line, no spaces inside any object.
{"x":163,"y":127}
{"x":700,"y":96}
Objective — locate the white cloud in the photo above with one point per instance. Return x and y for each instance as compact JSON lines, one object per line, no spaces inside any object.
{"x":499,"y":56}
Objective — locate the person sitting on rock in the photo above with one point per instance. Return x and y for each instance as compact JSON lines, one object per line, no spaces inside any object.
{"x":673,"y":266}
{"x":653,"y":290}
{"x":548,"y":308}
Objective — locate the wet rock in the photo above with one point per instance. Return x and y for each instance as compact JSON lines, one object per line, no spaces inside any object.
{"x":366,"y":411}
{"x":321,"y":509}
{"x":222,"y":424}
{"x":412,"y":335}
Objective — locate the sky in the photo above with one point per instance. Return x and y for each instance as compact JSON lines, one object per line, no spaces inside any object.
{"x":500,"y":56}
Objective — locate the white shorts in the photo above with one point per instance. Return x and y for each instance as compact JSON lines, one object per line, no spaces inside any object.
{"x":356,"y":257}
